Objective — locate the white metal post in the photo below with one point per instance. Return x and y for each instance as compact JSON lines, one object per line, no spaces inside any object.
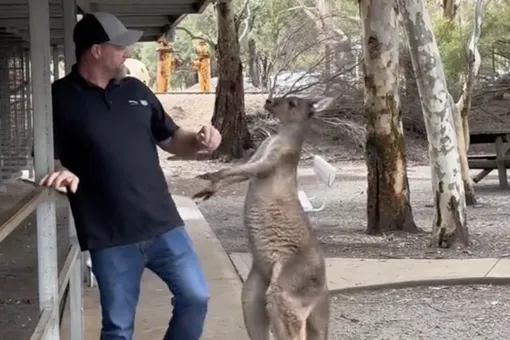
{"x":55,"y":52}
{"x":28,"y":105}
{"x":76,"y":279}
{"x":4,"y":107}
{"x":69,"y":22}
{"x":40,"y":54}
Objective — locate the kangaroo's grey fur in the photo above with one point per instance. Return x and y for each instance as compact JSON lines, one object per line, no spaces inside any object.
{"x":286,"y":289}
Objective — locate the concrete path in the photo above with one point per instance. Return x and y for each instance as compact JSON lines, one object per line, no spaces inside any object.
{"x":224,"y":319}
{"x":359,"y":274}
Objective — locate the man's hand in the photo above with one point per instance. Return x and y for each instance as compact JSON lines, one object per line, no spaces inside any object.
{"x":62,"y":178}
{"x":208,"y":138}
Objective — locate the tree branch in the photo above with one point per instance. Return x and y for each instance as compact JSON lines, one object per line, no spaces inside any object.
{"x":196,"y":37}
{"x":246,"y":12}
{"x":474,"y":61}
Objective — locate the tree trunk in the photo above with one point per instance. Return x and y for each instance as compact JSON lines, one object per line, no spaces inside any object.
{"x":265,"y":67}
{"x":342,"y":48}
{"x":388,"y":208}
{"x":449,"y":200}
{"x":325,"y":27}
{"x":408,"y":72}
{"x":229,"y":113}
{"x":462,"y":143}
{"x":464,"y":104}
{"x":253,"y":63}
{"x":450,"y":8}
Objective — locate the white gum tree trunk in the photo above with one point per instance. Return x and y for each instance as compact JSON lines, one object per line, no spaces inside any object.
{"x":463,"y":106}
{"x":449,"y":226}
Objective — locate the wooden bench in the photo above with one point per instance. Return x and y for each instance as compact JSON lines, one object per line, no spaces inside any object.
{"x":483,"y":162}
{"x":489,"y":162}
{"x":325,"y":174}
{"x":482,"y":156}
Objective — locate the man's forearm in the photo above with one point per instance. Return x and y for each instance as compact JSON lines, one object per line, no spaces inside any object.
{"x":183,"y":143}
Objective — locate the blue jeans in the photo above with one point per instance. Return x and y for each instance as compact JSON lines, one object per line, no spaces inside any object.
{"x":171,"y":256}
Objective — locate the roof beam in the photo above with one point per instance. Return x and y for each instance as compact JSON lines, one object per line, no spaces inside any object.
{"x":58,"y":34}
{"x":57,"y":23}
{"x":144,"y":9}
{"x":123,"y":9}
{"x":20,"y":10}
{"x":8,"y":38}
{"x":158,"y":14}
{"x":146,"y":3}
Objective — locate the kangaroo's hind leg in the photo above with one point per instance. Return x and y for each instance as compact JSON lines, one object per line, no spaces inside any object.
{"x":287,"y":315}
{"x":254,"y":306}
{"x":317,"y":324}
{"x":287,"y":310}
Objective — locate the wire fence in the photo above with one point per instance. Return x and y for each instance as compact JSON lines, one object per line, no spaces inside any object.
{"x":16,"y":120}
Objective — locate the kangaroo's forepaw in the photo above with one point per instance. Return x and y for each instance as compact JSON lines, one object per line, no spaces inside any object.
{"x":212,"y":176}
{"x":204,"y":194}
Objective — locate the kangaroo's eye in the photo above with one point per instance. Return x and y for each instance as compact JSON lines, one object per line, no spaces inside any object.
{"x":292,"y":103}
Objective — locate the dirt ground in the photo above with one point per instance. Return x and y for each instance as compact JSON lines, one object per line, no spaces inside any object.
{"x":340,"y":227}
{"x":441,"y":313}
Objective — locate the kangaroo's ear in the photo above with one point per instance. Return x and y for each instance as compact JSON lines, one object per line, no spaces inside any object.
{"x":322,"y":104}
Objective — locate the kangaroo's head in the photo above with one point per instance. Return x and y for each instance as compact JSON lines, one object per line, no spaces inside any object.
{"x":298,"y":110}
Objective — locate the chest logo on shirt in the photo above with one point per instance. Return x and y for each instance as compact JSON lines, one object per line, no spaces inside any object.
{"x":135,"y":102}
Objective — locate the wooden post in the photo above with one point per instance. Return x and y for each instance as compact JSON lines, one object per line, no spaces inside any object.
{"x":164,"y":65}
{"x":500,"y":159}
{"x":203,"y":66}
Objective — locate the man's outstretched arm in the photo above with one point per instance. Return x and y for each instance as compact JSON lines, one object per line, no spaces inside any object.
{"x":176,"y":140}
{"x":183,"y":143}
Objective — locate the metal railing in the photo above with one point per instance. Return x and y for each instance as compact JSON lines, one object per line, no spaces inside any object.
{"x":13,"y":218}
{"x":25,"y":122}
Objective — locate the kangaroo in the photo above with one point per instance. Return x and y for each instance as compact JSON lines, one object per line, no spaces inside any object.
{"x":286,"y":290}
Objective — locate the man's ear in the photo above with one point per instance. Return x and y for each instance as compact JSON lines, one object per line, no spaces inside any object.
{"x":95,"y":51}
{"x":322,"y":104}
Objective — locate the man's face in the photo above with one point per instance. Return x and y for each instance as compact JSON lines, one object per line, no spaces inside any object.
{"x":111,"y":58}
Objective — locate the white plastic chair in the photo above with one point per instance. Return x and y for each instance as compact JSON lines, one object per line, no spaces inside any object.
{"x":325,"y":174}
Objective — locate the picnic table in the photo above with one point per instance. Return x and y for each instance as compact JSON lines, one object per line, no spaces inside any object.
{"x":500,"y":160}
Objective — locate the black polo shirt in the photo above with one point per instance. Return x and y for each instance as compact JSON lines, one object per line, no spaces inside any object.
{"x":107,"y":137}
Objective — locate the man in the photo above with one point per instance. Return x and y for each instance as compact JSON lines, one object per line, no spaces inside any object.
{"x":106,"y":129}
